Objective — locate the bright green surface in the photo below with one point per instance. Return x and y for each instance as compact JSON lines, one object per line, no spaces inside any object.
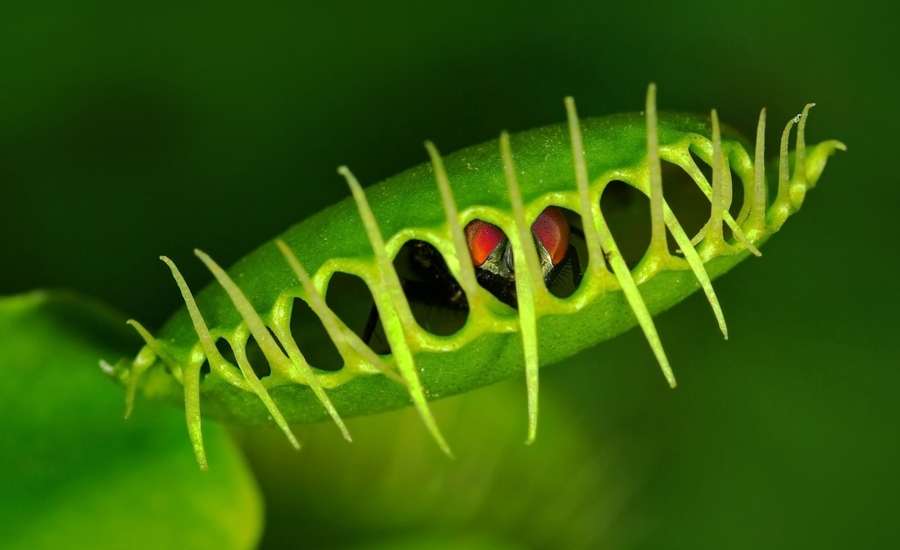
{"x":75,"y":474}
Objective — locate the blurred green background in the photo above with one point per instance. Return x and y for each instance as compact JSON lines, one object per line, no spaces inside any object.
{"x":128,"y":131}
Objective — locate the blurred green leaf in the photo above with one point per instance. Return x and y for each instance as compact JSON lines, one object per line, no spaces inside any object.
{"x":573,"y":489}
{"x":74,"y":474}
{"x":439,"y":543}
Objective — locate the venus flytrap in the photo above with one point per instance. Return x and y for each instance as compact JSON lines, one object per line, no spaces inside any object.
{"x":507,"y":185}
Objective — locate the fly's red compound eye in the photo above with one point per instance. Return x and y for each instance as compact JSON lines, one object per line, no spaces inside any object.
{"x":483,"y":238}
{"x":552,"y":230}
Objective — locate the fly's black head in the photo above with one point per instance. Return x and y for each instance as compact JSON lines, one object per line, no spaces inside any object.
{"x":492,"y":253}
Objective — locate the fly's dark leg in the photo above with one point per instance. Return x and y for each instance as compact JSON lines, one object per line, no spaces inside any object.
{"x":451,"y":298}
{"x":432,"y":281}
{"x":565,"y":277}
{"x":373,"y":337}
{"x":437,"y":301}
{"x":502,"y":288}
{"x":577,"y":273}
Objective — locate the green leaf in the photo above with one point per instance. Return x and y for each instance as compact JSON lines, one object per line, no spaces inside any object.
{"x":439,"y":543}
{"x":574,"y":488}
{"x":74,"y":473}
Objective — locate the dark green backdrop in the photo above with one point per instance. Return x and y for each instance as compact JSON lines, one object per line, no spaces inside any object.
{"x":127,"y":132}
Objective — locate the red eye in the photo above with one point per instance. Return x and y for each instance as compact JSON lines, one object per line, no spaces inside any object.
{"x":483,"y":238}
{"x":552,"y":230}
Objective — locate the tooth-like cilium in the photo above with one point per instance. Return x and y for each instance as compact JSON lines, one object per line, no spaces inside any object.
{"x":799,"y":185}
{"x":658,"y":244}
{"x":467,"y":277}
{"x":532,"y":296}
{"x":392,"y":307}
{"x":216,"y":362}
{"x":264,"y":339}
{"x":296,"y":367}
{"x":694,"y":171}
{"x":719,"y":195}
{"x":589,"y":210}
{"x":757,"y":219}
{"x":598,"y":224}
{"x":191,"y":389}
{"x":346,"y":341}
{"x":661,"y":211}
{"x":781,"y":208}
{"x":140,"y":368}
{"x":528,"y":276}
